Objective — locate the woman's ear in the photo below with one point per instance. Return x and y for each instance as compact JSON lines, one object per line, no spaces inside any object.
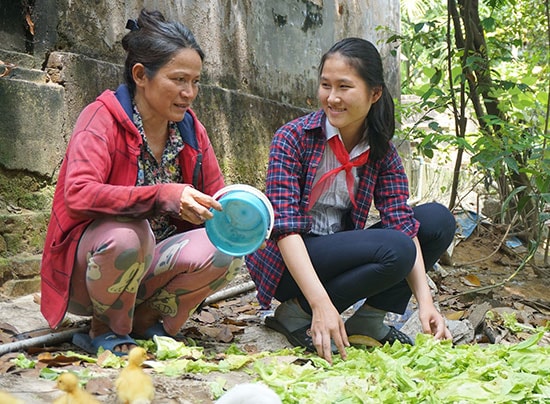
{"x":138,"y":73}
{"x":376,"y":94}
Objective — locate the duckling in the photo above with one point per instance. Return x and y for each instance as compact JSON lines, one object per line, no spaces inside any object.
{"x":133,"y":385}
{"x":6,"y":398}
{"x":69,"y":383}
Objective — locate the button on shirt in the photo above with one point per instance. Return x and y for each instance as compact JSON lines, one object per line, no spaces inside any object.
{"x":333,"y":205}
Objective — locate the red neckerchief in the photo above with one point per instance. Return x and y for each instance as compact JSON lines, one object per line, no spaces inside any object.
{"x":342,"y":155}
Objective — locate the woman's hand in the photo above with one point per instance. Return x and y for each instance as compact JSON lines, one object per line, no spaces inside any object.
{"x":433,"y":322}
{"x":195,"y":205}
{"x":327,"y":325}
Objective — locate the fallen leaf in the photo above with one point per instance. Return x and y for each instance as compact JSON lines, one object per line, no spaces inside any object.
{"x":454,"y":315}
{"x":99,"y":385}
{"x":471,"y":280}
{"x":211,"y":332}
{"x":225,"y":335}
{"x":47,"y":359}
{"x":6,"y":366}
{"x":363,"y":340}
{"x":232,"y":321}
{"x":206,"y":317}
{"x":30,"y":23}
{"x":8,"y":327}
{"x":243,"y":308}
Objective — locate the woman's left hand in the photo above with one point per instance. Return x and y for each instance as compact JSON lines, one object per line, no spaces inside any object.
{"x":433,"y":323}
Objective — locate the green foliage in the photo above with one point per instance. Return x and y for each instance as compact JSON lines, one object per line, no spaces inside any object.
{"x":495,"y":76}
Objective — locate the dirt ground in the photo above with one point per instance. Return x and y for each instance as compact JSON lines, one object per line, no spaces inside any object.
{"x":472,"y":279}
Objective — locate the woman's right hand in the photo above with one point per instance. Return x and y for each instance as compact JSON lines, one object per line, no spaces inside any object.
{"x":195,"y":205}
{"x":326,"y":326}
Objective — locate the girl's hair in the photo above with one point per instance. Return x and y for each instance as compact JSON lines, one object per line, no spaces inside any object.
{"x":152,"y":41}
{"x":364,"y":57}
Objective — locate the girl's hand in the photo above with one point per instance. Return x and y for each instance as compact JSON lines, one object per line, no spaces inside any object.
{"x":433,"y":323}
{"x":327,"y":326}
{"x":195,"y":205}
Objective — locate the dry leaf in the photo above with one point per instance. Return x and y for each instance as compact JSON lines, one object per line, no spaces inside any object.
{"x":47,"y":359}
{"x":30,"y":23}
{"x":206,"y":317}
{"x":363,"y":340}
{"x":211,"y":332}
{"x":99,"y":385}
{"x":5,"y":69}
{"x":225,"y":335}
{"x":233,"y":321}
{"x":243,"y":308}
{"x":471,"y":280}
{"x":454,"y":315}
{"x":6,"y":366}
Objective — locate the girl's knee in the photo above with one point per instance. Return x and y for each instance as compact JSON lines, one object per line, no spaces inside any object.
{"x":401,"y":252}
{"x":437,"y":219}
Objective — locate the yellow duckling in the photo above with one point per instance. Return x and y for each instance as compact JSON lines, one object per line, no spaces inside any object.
{"x":133,"y":385}
{"x":7,"y":398}
{"x":69,"y":383}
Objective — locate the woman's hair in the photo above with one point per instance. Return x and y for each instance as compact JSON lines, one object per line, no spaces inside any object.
{"x":364,"y":57}
{"x":152,"y":41}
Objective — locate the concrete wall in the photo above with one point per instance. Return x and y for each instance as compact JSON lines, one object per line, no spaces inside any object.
{"x":260,"y":71}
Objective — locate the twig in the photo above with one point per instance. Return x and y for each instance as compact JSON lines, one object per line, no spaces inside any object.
{"x":48,"y":339}
{"x":496,"y":285}
{"x":229,"y":292}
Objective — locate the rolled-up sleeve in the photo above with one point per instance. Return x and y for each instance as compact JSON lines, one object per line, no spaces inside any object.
{"x":283,"y":186}
{"x":391,"y":195}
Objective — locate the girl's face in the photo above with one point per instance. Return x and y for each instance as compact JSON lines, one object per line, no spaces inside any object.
{"x":169,"y":93}
{"x":345,"y":96}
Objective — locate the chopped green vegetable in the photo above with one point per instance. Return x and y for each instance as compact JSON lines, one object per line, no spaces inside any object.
{"x":431,"y":371}
{"x":23,"y":362}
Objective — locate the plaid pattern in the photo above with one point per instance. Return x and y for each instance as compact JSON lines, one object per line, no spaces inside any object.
{"x":295,"y":153}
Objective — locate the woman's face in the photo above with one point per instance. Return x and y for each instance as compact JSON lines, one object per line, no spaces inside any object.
{"x":345,"y":96}
{"x":170,"y":92}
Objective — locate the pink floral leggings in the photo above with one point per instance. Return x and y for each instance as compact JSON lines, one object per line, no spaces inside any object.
{"x":119,"y":267}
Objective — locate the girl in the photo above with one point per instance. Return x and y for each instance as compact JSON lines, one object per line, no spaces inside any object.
{"x":325,"y":170}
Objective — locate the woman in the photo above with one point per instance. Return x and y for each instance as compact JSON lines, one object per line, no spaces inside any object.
{"x":325,"y":170}
{"x":125,"y":243}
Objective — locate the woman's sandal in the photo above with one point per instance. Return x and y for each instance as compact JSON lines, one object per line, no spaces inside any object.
{"x":156,"y":329}
{"x":108,"y":341}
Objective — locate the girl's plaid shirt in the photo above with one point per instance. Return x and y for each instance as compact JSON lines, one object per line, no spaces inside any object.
{"x":295,"y":153}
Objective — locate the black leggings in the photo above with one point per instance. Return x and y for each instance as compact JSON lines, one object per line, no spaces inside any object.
{"x":373,"y":263}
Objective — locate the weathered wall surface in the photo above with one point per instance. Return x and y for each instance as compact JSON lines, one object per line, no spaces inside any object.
{"x":260,"y":71}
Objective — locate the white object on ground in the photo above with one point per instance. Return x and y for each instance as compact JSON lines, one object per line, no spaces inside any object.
{"x":249,"y":393}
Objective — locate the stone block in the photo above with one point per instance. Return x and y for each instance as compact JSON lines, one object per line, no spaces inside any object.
{"x":21,"y":287}
{"x":32,"y":119}
{"x":23,"y":266}
{"x":22,"y":233}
